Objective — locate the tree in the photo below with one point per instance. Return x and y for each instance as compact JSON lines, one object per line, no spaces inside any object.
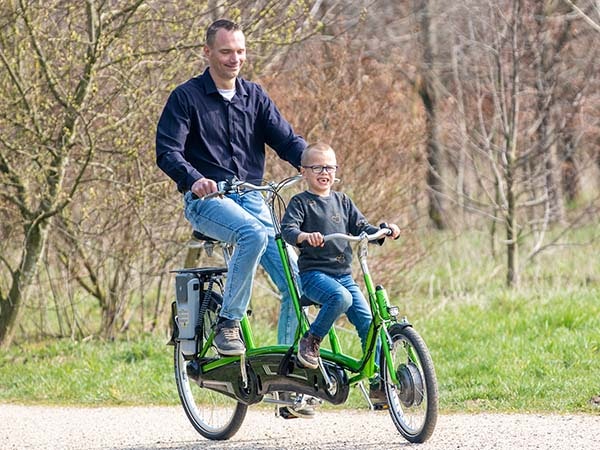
{"x":80,"y":91}
{"x":516,"y":91}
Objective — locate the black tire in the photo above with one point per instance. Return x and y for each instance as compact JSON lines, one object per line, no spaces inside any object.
{"x":214,"y":415}
{"x":413,"y":402}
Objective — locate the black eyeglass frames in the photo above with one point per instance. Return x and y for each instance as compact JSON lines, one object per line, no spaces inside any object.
{"x":318,"y":169}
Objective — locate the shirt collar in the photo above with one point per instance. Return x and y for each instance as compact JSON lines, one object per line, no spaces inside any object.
{"x":211,"y":88}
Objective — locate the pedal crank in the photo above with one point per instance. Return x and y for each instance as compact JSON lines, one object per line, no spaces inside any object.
{"x":243,"y":371}
{"x":328,"y":384}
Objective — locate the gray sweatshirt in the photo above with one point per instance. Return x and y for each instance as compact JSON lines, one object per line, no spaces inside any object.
{"x":336,"y":213}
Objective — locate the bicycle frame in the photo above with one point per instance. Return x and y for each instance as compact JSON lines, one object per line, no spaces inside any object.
{"x":363,"y":368}
{"x":217,"y":390}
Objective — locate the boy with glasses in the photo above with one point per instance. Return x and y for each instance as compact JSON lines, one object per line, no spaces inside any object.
{"x":326,"y":268}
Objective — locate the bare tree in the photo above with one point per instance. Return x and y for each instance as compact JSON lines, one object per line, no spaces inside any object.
{"x":81,"y":88}
{"x":510,"y":72}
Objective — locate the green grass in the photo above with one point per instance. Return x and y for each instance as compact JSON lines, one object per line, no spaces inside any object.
{"x":89,"y":373}
{"x":531,"y":349}
{"x":508,"y":353}
{"x":519,"y":354}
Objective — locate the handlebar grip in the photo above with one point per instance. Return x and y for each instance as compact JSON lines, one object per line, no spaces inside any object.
{"x":212,"y":195}
{"x":222,"y":189}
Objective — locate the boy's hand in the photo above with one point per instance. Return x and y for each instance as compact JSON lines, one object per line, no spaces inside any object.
{"x":395,"y":230}
{"x":314,"y":239}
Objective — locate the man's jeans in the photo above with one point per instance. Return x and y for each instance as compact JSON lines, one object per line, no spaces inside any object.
{"x":337,"y":295}
{"x":244,"y":220}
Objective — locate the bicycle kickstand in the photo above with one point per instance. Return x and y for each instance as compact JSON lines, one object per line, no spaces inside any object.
{"x":361,"y":386}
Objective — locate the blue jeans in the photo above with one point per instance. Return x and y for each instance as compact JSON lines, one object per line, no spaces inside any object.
{"x":336,"y":295}
{"x":245,"y":221}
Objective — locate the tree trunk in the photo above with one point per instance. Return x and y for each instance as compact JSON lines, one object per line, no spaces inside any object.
{"x":426,"y":89}
{"x":10,"y":307}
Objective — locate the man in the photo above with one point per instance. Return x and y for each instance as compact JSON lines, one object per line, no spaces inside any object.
{"x":215,"y":127}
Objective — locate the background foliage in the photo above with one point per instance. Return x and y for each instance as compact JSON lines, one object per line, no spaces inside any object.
{"x":478,"y":118}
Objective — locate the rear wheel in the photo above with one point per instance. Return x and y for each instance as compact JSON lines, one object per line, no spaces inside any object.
{"x":413,"y":401}
{"x":213,"y":414}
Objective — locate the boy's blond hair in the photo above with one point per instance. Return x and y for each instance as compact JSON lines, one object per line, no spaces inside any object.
{"x":318,"y":147}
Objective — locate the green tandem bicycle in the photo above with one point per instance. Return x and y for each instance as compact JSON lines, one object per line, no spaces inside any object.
{"x":216,"y":390}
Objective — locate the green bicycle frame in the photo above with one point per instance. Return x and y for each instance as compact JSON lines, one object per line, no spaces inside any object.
{"x":362,"y":368}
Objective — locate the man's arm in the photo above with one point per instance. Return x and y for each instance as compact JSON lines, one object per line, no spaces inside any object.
{"x":171,"y":134}
{"x":279,"y":134}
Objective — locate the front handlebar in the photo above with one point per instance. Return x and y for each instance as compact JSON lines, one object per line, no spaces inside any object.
{"x":381,"y":233}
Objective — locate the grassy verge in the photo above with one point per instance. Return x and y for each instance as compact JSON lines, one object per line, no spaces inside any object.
{"x":507,"y":353}
{"x":536,"y":348}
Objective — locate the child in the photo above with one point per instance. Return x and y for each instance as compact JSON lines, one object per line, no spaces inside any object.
{"x":325,"y":268}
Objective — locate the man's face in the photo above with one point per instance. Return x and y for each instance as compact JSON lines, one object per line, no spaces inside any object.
{"x":226,"y":56}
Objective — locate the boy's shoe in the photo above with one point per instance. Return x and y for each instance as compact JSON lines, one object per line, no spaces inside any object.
{"x":228,"y":340}
{"x":308,"y":351}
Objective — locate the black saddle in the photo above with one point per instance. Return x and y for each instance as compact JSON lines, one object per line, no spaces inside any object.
{"x":202,"y":237}
{"x":305,"y":301}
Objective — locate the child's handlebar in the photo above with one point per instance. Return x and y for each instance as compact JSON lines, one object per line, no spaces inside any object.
{"x":381,"y":233}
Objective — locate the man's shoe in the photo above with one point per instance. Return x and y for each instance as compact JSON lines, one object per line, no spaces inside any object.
{"x":288,"y":412}
{"x":308,"y":351}
{"x":228,"y":340}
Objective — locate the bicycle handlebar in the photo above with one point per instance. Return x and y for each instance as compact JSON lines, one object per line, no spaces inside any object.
{"x":383,"y":232}
{"x":235,"y":185}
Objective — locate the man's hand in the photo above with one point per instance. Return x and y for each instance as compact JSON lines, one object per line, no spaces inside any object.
{"x":314,"y":239}
{"x":203,"y":187}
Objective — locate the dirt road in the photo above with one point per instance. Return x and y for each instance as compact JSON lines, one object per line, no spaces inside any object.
{"x":39,"y":427}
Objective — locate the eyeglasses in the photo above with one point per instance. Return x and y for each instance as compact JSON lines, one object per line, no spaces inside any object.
{"x":320,"y":169}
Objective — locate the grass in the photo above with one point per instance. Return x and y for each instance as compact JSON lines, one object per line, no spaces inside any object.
{"x":532,"y":349}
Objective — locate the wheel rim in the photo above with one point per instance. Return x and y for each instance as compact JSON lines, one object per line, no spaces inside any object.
{"x":407,"y":400}
{"x":209,"y":411}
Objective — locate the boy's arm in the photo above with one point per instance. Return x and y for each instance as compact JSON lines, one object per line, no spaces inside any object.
{"x":356,"y":217}
{"x":291,"y":222}
{"x":357,"y":223}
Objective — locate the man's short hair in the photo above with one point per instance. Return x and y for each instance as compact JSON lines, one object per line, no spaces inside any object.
{"x":212,"y":29}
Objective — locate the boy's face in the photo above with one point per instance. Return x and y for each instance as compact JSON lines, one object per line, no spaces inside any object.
{"x":319,"y":172}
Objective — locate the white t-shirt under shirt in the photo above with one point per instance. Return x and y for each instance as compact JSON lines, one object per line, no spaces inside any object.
{"x":227,"y":93}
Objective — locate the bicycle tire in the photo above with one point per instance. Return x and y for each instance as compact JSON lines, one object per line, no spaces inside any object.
{"x":214,"y":415}
{"x":413,"y":402}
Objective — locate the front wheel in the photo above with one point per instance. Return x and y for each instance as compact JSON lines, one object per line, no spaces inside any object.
{"x":413,"y":400}
{"x":213,"y":414}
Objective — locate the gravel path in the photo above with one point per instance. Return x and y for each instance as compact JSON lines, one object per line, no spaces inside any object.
{"x":41,"y":427}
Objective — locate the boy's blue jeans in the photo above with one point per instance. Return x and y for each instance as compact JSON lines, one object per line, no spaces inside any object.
{"x":337,"y":295}
{"x":244,"y":220}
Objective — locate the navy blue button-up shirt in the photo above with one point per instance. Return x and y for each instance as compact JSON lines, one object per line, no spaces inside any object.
{"x":200,"y":134}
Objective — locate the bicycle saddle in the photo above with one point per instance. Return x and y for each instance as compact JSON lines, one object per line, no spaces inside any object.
{"x":202,"y":237}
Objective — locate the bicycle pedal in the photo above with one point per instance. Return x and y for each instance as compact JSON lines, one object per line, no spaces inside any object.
{"x":380,"y":407}
{"x":285,"y":413}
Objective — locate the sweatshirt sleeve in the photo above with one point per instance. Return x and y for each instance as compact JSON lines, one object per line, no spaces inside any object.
{"x":357,"y":223}
{"x":292,"y":221}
